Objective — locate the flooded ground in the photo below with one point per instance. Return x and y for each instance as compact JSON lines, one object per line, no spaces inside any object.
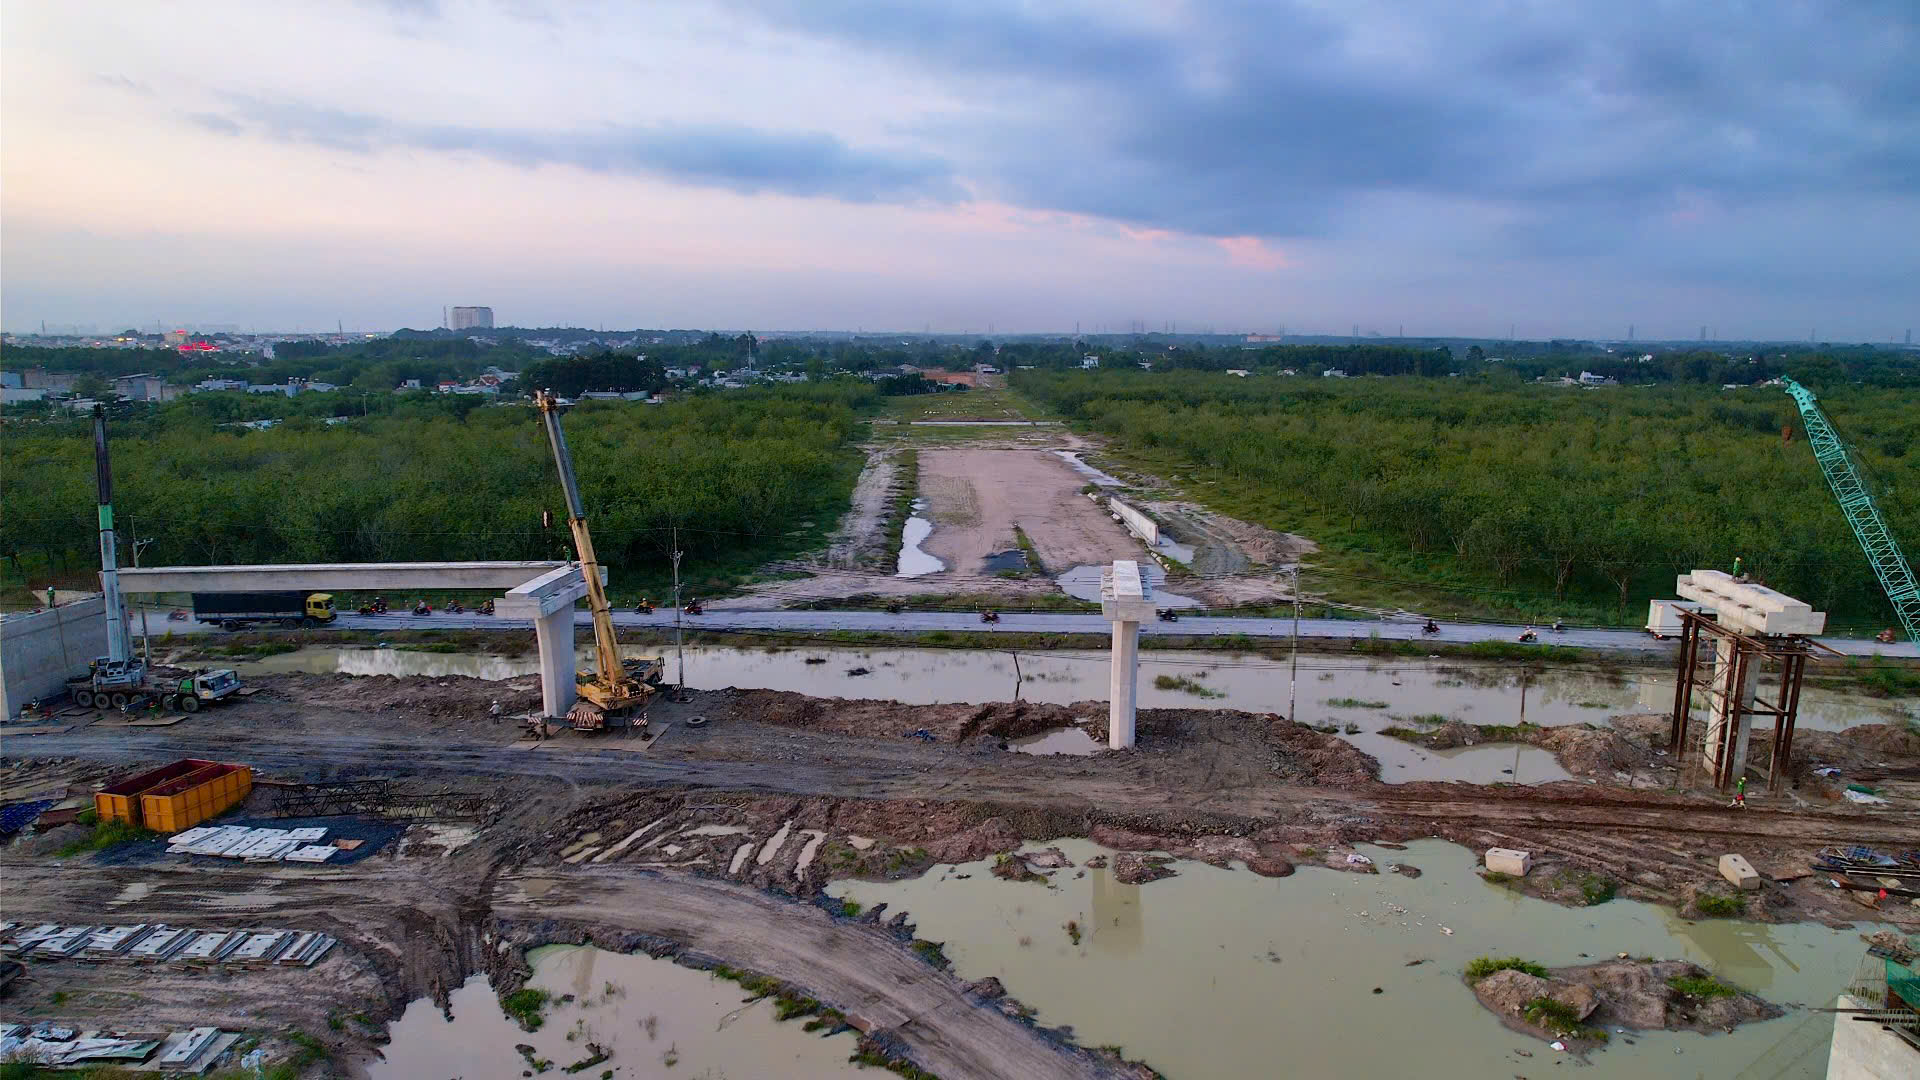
{"x":656,"y":1018}
{"x":1221,"y":973}
{"x":1339,"y":690}
{"x":1086,"y":470}
{"x":1074,"y":742}
{"x":914,"y":562}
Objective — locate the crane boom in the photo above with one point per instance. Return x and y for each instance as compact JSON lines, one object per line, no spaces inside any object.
{"x":1856,"y":503}
{"x":615,"y":688}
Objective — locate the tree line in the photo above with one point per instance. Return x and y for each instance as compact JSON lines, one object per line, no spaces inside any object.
{"x":1599,"y":497}
{"x":739,"y":474}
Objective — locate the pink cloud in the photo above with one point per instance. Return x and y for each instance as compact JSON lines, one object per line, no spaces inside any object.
{"x":1252,"y":252}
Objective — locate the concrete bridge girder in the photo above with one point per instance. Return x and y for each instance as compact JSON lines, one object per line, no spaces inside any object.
{"x":543,"y":592}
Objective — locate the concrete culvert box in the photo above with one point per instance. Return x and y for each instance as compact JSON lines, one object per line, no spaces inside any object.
{"x":182,"y":803}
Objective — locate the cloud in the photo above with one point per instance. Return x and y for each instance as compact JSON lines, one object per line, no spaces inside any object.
{"x":1262,"y":119}
{"x":122,"y":83}
{"x":740,"y":159}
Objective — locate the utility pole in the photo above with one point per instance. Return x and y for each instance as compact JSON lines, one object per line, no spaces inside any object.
{"x":1293,"y":674}
{"x":679,"y":610}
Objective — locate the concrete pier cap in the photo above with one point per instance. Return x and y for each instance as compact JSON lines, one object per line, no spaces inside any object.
{"x":1126,"y":599}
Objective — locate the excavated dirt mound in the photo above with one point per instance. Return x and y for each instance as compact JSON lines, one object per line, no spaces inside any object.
{"x":1306,"y":756}
{"x":452,"y":697}
{"x":946,"y":723}
{"x":1581,"y":749}
{"x":1622,"y":993}
{"x":1857,"y":747}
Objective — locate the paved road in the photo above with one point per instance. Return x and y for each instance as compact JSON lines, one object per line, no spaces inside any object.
{"x":1626,"y":641}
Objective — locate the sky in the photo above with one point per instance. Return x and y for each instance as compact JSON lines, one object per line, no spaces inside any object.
{"x":1565,"y":169}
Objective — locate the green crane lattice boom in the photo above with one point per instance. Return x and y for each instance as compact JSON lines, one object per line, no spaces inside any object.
{"x":1850,"y":491}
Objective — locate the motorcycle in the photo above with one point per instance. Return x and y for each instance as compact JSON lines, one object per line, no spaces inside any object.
{"x":423,"y":608}
{"x":644,"y":607}
{"x":177,"y":615}
{"x":1168,"y":615}
{"x":990,"y":616}
{"x":893,"y":609}
{"x":1529,"y":635}
{"x":695,"y":607}
{"x":454,"y":608}
{"x":1431,"y":627}
{"x":1559,"y":627}
{"x":485,"y":608}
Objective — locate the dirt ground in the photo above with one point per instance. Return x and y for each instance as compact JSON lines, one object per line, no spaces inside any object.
{"x":775,"y":794}
{"x":860,"y":538}
{"x":977,"y":497}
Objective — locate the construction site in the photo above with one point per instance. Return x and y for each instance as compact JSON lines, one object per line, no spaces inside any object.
{"x":581,"y":847}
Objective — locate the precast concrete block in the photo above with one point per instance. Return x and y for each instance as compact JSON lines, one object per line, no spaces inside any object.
{"x":1739,"y":872}
{"x":1510,"y":862}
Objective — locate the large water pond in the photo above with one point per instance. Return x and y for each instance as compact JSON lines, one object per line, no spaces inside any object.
{"x":1340,"y":690}
{"x":658,"y":1020}
{"x":1221,"y":973}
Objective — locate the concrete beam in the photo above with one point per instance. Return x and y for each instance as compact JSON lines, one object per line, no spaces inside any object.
{"x":335,"y":577}
{"x":553,"y":591}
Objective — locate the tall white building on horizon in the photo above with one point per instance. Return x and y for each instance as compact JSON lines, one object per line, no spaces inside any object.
{"x":472,"y":318}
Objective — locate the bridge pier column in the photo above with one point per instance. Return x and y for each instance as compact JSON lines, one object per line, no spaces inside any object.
{"x":558,"y":688}
{"x":1125,"y":599}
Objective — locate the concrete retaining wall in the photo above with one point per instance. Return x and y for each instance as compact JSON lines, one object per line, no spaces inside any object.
{"x":38,"y":653}
{"x":1142,"y":525}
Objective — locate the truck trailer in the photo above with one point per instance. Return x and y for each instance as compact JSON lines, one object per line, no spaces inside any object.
{"x":239,"y":610}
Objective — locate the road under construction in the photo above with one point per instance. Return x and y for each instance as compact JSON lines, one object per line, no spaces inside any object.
{"x":607,"y":833}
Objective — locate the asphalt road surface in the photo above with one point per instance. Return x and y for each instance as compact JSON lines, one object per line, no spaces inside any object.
{"x":800,"y":622}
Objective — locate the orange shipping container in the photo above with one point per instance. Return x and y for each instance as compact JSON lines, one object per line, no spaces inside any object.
{"x":121,"y":801}
{"x":182,"y":803}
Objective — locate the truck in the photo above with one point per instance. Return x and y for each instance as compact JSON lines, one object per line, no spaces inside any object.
{"x":239,"y":610}
{"x":109,"y":685}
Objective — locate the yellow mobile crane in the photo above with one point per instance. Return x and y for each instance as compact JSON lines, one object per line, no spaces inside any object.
{"x":616,"y":692}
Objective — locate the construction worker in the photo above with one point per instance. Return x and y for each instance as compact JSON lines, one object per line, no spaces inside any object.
{"x":1736,"y":566}
{"x":1740,"y":793}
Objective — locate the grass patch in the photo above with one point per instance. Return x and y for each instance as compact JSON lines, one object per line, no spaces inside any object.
{"x":875,"y":1059}
{"x":1186,"y":685}
{"x":1404,"y":734}
{"x":1353,"y":703}
{"x":107,"y":834}
{"x":1701,"y":986}
{"x":1484,"y":966}
{"x":849,"y":908}
{"x":1596,"y":889}
{"x":527,"y":1005}
{"x":1720,"y":905}
{"x":933,"y":952}
{"x":1034,"y":565}
{"x":906,"y":490}
{"x":1423,"y":719}
{"x":1560,"y":1019}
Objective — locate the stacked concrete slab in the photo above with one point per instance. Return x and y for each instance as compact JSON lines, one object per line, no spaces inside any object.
{"x":153,"y":943}
{"x":253,"y":845}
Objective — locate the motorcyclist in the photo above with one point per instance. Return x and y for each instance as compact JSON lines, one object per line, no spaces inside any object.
{"x":1431,"y":627}
{"x":1528,"y":634}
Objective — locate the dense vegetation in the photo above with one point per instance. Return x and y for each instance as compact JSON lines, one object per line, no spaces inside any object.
{"x":743,"y":475}
{"x":1515,"y":490}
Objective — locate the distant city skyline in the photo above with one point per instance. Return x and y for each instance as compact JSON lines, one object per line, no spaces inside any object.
{"x":1567,"y":169}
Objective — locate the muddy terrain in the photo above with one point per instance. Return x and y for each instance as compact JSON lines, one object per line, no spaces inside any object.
{"x":623,"y":840}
